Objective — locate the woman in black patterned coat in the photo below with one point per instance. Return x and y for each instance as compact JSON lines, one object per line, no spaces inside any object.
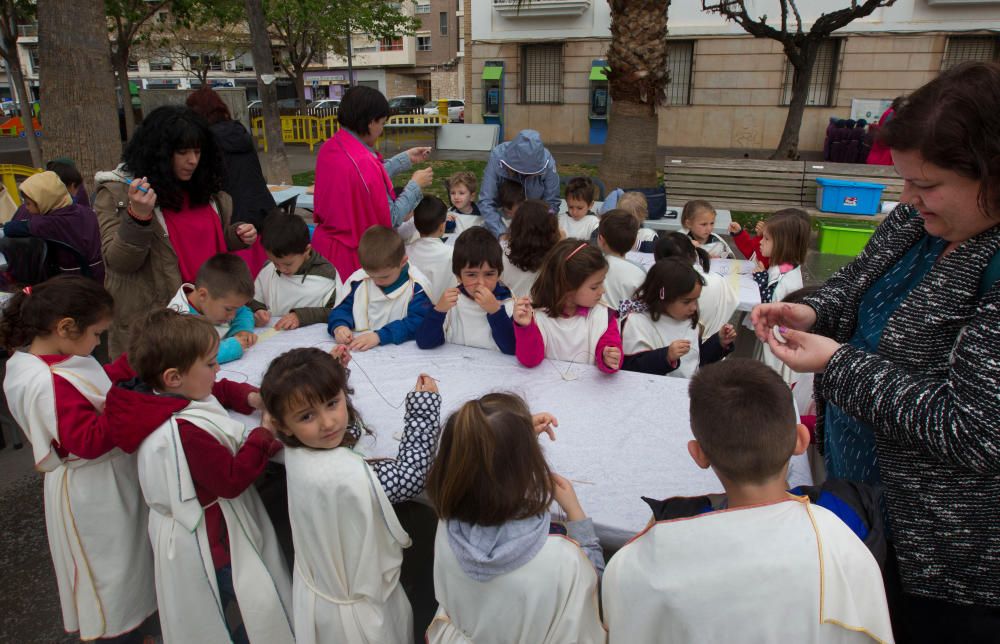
{"x":905,"y":342}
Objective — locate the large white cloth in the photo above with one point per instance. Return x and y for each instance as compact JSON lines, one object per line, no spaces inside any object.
{"x":517,"y":280}
{"x":181,"y":304}
{"x":717,"y":303}
{"x":784,"y":572}
{"x":573,"y":339}
{"x":187,"y":592}
{"x":93,"y":511}
{"x":282,"y":293}
{"x":640,"y":333}
{"x":466,"y":324}
{"x":784,"y":283}
{"x":374,"y":308}
{"x":432,"y":257}
{"x":549,"y":600}
{"x":581,"y":228}
{"x":622,"y":280}
{"x":348,"y":551}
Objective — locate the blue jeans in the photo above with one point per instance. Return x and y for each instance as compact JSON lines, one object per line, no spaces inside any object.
{"x":227,"y":593}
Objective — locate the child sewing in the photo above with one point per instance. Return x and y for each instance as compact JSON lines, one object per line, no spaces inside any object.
{"x":429,"y":253}
{"x":220,"y":294}
{"x":197,"y":473}
{"x":698,"y":221}
{"x":297,"y":284}
{"x":462,"y":189}
{"x":616,"y":236}
{"x":636,"y":204}
{"x":502,"y":571}
{"x":660,"y":331}
{"x":718,"y":300}
{"x":348,"y":540}
{"x":510,"y":196}
{"x":476,"y":313}
{"x":579,"y":221}
{"x":749,"y":244}
{"x":387,"y":300}
{"x":532,"y":235}
{"x":570,"y":322}
{"x":757,"y":547}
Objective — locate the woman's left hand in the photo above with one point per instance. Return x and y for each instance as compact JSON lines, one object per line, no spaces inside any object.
{"x":418,"y":155}
{"x":247,"y":233}
{"x":803,"y":352}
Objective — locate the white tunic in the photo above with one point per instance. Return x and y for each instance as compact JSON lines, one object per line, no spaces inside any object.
{"x":573,"y":339}
{"x":552,"y":599}
{"x":581,"y":228}
{"x":784,"y":572}
{"x":433,"y":258}
{"x":466,"y":324}
{"x":464,"y":222}
{"x":93,"y":511}
{"x":644,"y":235}
{"x":282,"y":293}
{"x":640,"y":333}
{"x":717,"y":303}
{"x":181,"y":304}
{"x":518,"y":281}
{"x":715,"y":246}
{"x":186,"y":588}
{"x":622,"y":280}
{"x":785,"y":283}
{"x":348,"y":551}
{"x":373,"y":308}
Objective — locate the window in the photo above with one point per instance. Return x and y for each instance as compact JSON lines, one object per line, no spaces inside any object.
{"x":423,"y":43}
{"x":424,"y":89}
{"x":821,"y":83}
{"x":391,"y":44}
{"x":33,"y":57}
{"x":244,"y":63}
{"x":211,"y":62}
{"x":423,"y":8}
{"x":133,"y":64}
{"x":443,"y":19}
{"x":161,"y":63}
{"x":680,"y":55}
{"x":965,"y":48}
{"x":541,"y":74}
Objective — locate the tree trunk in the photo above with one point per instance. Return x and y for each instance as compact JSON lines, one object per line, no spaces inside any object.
{"x":788,"y":145}
{"x":275,"y":159}
{"x":78,"y":87}
{"x":23,"y":98}
{"x":629,"y":155}
{"x":119,"y":61}
{"x":300,"y":83}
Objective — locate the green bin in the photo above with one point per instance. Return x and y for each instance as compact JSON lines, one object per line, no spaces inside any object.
{"x":844,"y":238}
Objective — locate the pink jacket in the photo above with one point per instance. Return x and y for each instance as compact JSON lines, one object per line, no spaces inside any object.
{"x":530,"y":347}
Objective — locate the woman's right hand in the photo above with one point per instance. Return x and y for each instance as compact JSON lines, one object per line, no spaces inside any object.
{"x":565,"y":496}
{"x":800,"y":317}
{"x":423,"y":178}
{"x":141,"y":203}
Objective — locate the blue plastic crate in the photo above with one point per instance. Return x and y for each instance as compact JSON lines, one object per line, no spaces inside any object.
{"x":848,"y":197}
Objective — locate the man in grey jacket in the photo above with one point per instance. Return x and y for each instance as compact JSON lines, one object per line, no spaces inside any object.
{"x":526,"y":161}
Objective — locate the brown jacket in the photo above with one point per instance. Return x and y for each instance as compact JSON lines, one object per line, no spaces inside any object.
{"x":141,"y":269}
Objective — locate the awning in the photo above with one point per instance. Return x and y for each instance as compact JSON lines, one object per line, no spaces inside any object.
{"x":492,"y":72}
{"x":598,"y":71}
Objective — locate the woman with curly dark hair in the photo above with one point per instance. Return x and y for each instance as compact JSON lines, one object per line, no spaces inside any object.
{"x":162,"y":213}
{"x":534,"y":230}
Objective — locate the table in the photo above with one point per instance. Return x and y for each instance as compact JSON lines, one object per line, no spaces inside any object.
{"x":620,"y":436}
{"x":287,"y":193}
{"x":722,"y":220}
{"x":739,"y":273}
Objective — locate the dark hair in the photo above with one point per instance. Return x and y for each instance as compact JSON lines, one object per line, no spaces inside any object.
{"x":68,"y":173}
{"x":282,"y":234}
{"x":954,"y":122}
{"x":150,"y":153}
{"x":307,"y":376}
{"x":750,"y":438}
{"x":581,"y":189}
{"x":360,"y":106}
{"x":692,"y":208}
{"x":565,"y":269}
{"x":464,"y":178}
{"x":489,"y":468}
{"x":510,"y":194}
{"x":167,"y":339}
{"x":429,"y":214}
{"x":790,"y":231}
{"x":666,"y":281}
{"x":533,"y":233}
{"x":34,"y":311}
{"x":209,"y":104}
{"x":380,"y":247}
{"x":224,"y":274}
{"x":677,"y":244}
{"x":474,"y":247}
{"x":619,"y":228}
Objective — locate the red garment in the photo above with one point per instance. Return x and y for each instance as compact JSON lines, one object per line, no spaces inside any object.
{"x":255,"y":257}
{"x":879,"y":154}
{"x":196,"y":234}
{"x":530,"y":347}
{"x":750,"y":244}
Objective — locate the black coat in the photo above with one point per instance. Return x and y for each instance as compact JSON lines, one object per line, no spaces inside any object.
{"x":244,"y":180}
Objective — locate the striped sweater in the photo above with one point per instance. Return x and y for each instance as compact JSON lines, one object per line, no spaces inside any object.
{"x":932,"y":394}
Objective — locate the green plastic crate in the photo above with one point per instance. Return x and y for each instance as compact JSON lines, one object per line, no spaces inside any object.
{"x":844,"y":238}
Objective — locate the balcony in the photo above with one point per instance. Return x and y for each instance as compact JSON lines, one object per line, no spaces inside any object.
{"x":540,"y":8}
{"x":28,"y":31}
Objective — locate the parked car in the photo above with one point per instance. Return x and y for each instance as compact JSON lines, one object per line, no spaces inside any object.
{"x":409,"y":104}
{"x":324,"y":107}
{"x":456,"y":109}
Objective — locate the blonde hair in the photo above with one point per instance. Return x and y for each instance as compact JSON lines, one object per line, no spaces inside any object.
{"x":635,"y":204}
{"x":692,"y":208}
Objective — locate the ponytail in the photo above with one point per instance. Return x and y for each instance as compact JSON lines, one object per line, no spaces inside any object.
{"x":35,"y":310}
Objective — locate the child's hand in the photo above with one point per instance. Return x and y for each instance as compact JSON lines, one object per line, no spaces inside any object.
{"x":734,"y":227}
{"x":543,"y":423}
{"x":247,"y":233}
{"x":288,"y":322}
{"x":254,"y":400}
{"x":141,"y":203}
{"x":486,"y":300}
{"x":678,"y":349}
{"x":426,"y":383}
{"x":758,"y":267}
{"x":343,"y":335}
{"x":246,"y":339}
{"x":268,"y":423}
{"x":261,"y":317}
{"x":448,"y":300}
{"x":523,"y":311}
{"x":364,"y":341}
{"x":565,"y":496}
{"x":759,"y":228}
{"x":727,"y":335}
{"x":612,"y":357}
{"x":342,"y":354}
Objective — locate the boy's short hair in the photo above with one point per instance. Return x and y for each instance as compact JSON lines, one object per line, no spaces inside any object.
{"x":380,"y":247}
{"x":464,"y":178}
{"x":743,"y":418}
{"x":282,"y":234}
{"x":635,"y":203}
{"x":68,"y":173}
{"x":165,"y":339}
{"x":619,"y":230}
{"x":581,"y":189}
{"x":510,"y":194}
{"x":474,"y":247}
{"x":224,"y":274}
{"x":429,"y":214}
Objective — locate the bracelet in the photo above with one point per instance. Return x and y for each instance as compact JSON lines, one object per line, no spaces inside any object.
{"x":134,"y":215}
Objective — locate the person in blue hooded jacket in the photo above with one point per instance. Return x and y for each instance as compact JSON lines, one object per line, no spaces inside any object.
{"x":526,"y":161}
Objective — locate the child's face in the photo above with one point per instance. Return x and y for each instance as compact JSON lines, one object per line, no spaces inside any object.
{"x":288,"y":265}
{"x":684,"y":307}
{"x":766,"y":243}
{"x":591,"y":291}
{"x":578,"y":208}
{"x":71,"y":342}
{"x":196,"y":383}
{"x":220,"y":310}
{"x":473,"y":277}
{"x":461,"y":197}
{"x":701,"y":224}
{"x":320,"y":425}
{"x":384,"y":277}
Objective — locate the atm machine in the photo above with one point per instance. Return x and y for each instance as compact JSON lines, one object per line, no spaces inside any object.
{"x":600,"y":102}
{"x":493,"y":73}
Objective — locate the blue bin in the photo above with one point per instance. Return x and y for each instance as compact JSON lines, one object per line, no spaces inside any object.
{"x":848,"y":197}
{"x":312,"y":230}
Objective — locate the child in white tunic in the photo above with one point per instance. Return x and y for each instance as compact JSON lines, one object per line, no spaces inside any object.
{"x":660,"y":331}
{"x":781,"y":568}
{"x":698,"y":221}
{"x":571,"y":323}
{"x":462,"y":189}
{"x":429,"y":253}
{"x":579,"y":221}
{"x":616,"y":236}
{"x":348,"y":540}
{"x":503,"y":572}
{"x":533,"y":233}
{"x":635,"y":203}
{"x":718,"y":300}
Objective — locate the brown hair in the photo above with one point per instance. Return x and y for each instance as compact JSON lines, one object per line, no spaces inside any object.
{"x":380,"y":248}
{"x":565,"y":269}
{"x":224,"y":274}
{"x":474,"y":247}
{"x":790,"y":231}
{"x":666,"y":281}
{"x":208,"y":104}
{"x":307,"y":376}
{"x":489,"y":468}
{"x":677,"y":244}
{"x":533,"y":233}
{"x":165,"y":339}
{"x":750,"y":438}
{"x":463,"y":178}
{"x":510,"y":194}
{"x":692,"y":208}
{"x":619,"y":228}
{"x":581,"y":189}
{"x":953,"y":122}
{"x":636,"y":204}
{"x":36,"y":310}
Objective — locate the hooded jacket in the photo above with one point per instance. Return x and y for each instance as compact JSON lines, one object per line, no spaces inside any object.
{"x":525,"y":160}
{"x":244,"y":180}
